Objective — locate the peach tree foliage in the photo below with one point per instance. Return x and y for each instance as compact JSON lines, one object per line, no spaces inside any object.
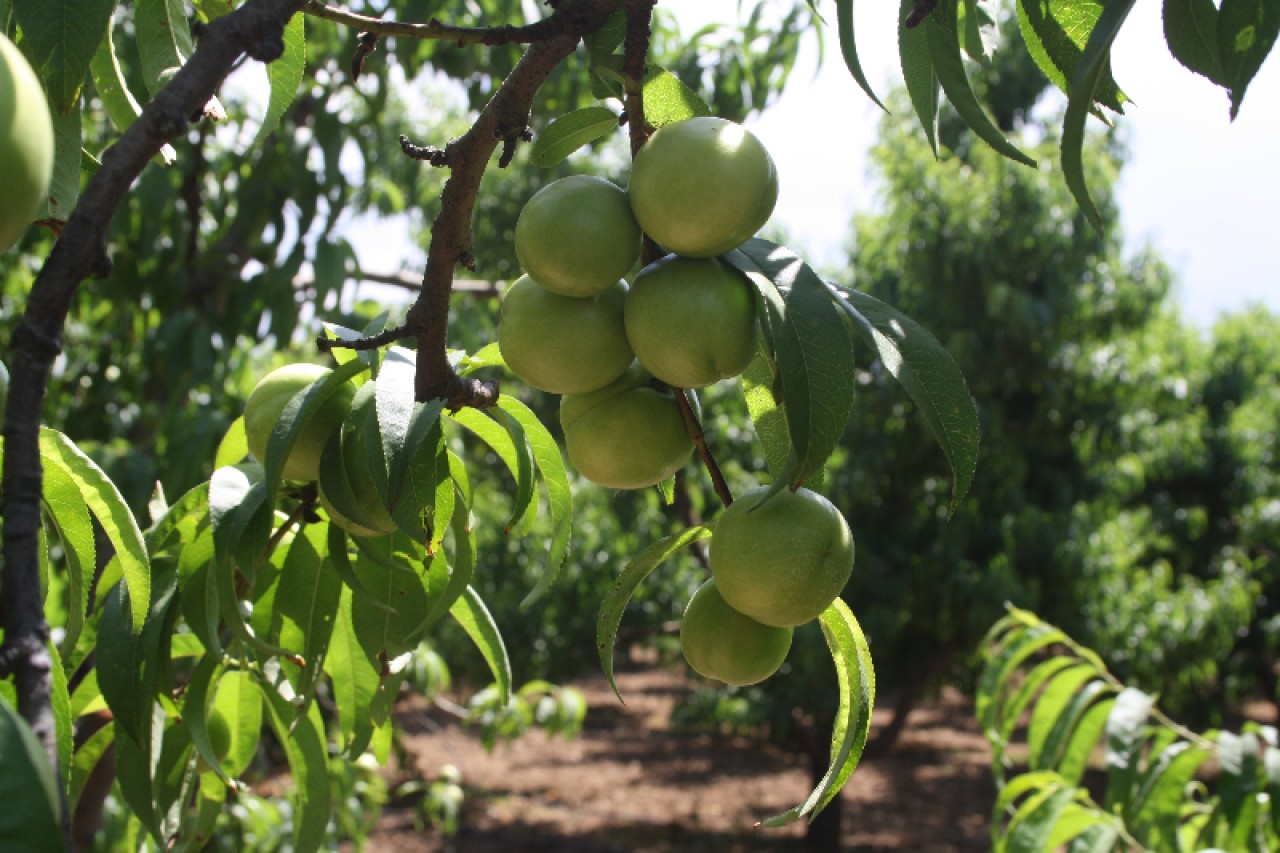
{"x":232,"y":596}
{"x":1158,"y":793}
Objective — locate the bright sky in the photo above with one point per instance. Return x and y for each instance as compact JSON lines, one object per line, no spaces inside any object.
{"x":1203,"y":190}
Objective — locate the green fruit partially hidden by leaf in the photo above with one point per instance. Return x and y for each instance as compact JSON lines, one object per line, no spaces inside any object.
{"x":347,"y":490}
{"x":702,"y":186}
{"x":26,"y":144}
{"x":562,"y":344}
{"x":783,"y":561}
{"x":691,"y":321}
{"x":577,"y":237}
{"x":721,"y":643}
{"x":627,"y":435}
{"x":267,"y":402}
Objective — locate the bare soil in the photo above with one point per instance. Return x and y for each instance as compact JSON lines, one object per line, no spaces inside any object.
{"x":628,"y":784}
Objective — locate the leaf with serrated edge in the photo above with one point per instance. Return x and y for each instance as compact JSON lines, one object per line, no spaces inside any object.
{"x":668,"y":100}
{"x":1247,"y":31}
{"x":569,"y":132}
{"x":1056,"y":32}
{"x":929,"y":375}
{"x":195,"y":705}
{"x":61,"y":36}
{"x":109,"y":508}
{"x":302,"y":736}
{"x":918,"y":73}
{"x":615,"y":600}
{"x":1094,"y":62}
{"x":546,"y":455}
{"x":944,"y":50}
{"x":112,"y":88}
{"x":768,"y":418}
{"x":284,"y":75}
{"x":308,"y":593}
{"x":857,"y":684}
{"x":70,"y":516}
{"x":470,"y":613}
{"x":1191,"y":32}
{"x":352,"y":678}
{"x":849,"y":49}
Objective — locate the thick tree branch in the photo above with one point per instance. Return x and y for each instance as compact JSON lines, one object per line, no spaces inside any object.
{"x":504,"y":118}
{"x":256,"y":29}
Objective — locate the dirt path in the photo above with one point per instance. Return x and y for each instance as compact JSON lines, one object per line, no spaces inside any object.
{"x":629,"y":785}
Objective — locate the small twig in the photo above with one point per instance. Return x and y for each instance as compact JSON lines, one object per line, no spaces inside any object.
{"x":700,"y":441}
{"x":368,"y":42}
{"x":549,"y":27}
{"x":382,"y":339}
{"x":438,"y":157}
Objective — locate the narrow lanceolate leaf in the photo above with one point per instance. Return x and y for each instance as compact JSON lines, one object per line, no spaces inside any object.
{"x":546,"y":455}
{"x":68,"y":155}
{"x":516,"y":455}
{"x":307,"y":596}
{"x":944,"y":50}
{"x":302,"y":736}
{"x":237,"y":698}
{"x":979,"y":31}
{"x":470,"y":612}
{"x":929,"y":375}
{"x":1191,"y":31}
{"x":767,"y":415}
{"x":1056,"y":32}
{"x":70,"y":515}
{"x":1063,"y":728}
{"x":615,"y":600}
{"x":108,"y":507}
{"x":121,"y":106}
{"x":352,"y":677}
{"x":857,"y":684}
{"x":60,"y":704}
{"x":29,"y":820}
{"x":1032,"y":825}
{"x":666,"y":99}
{"x":1125,"y":729}
{"x":284,"y":74}
{"x":403,"y":423}
{"x":389,"y":627}
{"x":195,"y":710}
{"x":61,"y":36}
{"x":1089,"y":73}
{"x":569,"y":132}
{"x":812,"y":350}
{"x":918,"y":73}
{"x":1074,"y":760}
{"x":1239,"y":784}
{"x":1153,"y":814}
{"x":1247,"y":31}
{"x":164,"y":39}
{"x":127,"y":662}
{"x":1004,"y":717}
{"x":849,"y":49}
{"x":1003,"y":659}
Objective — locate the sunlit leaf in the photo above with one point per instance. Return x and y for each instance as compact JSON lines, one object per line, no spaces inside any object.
{"x":569,"y":132}
{"x":918,"y":73}
{"x":1191,"y":31}
{"x":849,"y":49}
{"x":469,"y":611}
{"x":29,"y":820}
{"x":636,"y":570}
{"x":302,"y":736}
{"x":667,"y":100}
{"x":284,"y":75}
{"x":61,"y":37}
{"x":1247,"y":31}
{"x":1056,"y":33}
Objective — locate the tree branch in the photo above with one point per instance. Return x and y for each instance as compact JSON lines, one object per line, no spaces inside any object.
{"x":555,"y":24}
{"x":255,"y":28}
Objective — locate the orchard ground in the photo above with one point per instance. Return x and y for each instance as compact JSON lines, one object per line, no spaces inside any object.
{"x":631,"y":784}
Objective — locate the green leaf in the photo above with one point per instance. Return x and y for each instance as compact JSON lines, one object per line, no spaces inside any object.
{"x":918,"y":73}
{"x":609,"y":37}
{"x":1247,"y":31}
{"x":546,"y":455}
{"x":164,"y":39}
{"x":1033,"y":823}
{"x":1191,"y":31}
{"x":61,"y":36}
{"x":470,"y":612}
{"x":1056,"y":33}
{"x":930,"y":377}
{"x":948,"y":65}
{"x":1153,"y":814}
{"x":305,"y":601}
{"x":302,"y":736}
{"x":813,"y":351}
{"x":1002,"y":660}
{"x":29,"y":820}
{"x":237,"y":698}
{"x":977,"y":20}
{"x":767,"y":416}
{"x":60,"y":706}
{"x":340,"y":559}
{"x":404,"y":425}
{"x":507,"y":440}
{"x":121,"y":106}
{"x":1125,"y":728}
{"x":1089,"y":74}
{"x":195,"y":710}
{"x":1000,"y":719}
{"x":352,"y":677}
{"x":1075,"y":755}
{"x":284,"y":75}
{"x":1057,"y":704}
{"x":849,"y":49}
{"x":1062,"y":727}
{"x":857,"y":684}
{"x":1238,"y":786}
{"x":127,"y":664}
{"x":569,"y":132}
{"x":64,"y":189}
{"x":389,"y":625}
{"x":70,"y":516}
{"x":234,"y":446}
{"x":86,"y":758}
{"x":107,"y":505}
{"x":615,"y":600}
{"x":668,"y":100}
